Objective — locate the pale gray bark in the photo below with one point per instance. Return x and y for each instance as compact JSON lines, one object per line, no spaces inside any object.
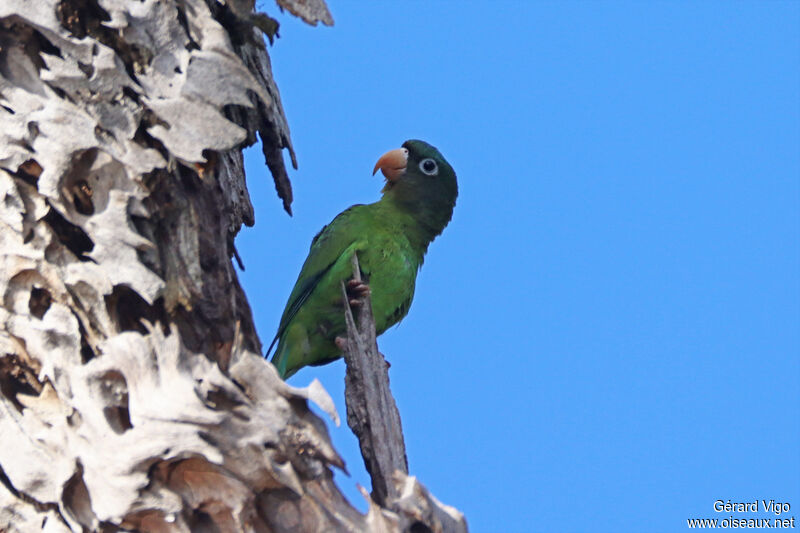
{"x":132,"y":391}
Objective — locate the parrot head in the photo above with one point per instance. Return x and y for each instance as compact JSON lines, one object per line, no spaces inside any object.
{"x":420,"y":180}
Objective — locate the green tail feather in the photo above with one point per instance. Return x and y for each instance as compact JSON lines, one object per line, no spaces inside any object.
{"x":281,"y":359}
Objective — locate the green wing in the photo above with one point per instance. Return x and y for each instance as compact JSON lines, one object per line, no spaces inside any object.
{"x":326,"y":247}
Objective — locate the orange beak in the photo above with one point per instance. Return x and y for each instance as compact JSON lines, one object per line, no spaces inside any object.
{"x":392,"y":164}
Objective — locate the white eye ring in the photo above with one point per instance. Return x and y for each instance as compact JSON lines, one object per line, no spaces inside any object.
{"x":429,"y":167}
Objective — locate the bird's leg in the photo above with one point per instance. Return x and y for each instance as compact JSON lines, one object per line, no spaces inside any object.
{"x":356,"y":291}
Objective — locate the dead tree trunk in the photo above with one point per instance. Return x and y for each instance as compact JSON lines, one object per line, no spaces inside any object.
{"x":132,"y":391}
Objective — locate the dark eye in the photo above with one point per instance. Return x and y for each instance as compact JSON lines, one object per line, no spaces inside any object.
{"x":428,"y":166}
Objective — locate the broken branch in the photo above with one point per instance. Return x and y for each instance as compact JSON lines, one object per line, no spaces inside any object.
{"x":371,"y":411}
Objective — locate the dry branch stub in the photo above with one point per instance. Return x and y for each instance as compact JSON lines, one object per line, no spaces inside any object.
{"x":371,"y":410}
{"x":373,"y":416}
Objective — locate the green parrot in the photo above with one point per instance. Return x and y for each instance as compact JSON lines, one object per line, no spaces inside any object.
{"x":390,"y":237}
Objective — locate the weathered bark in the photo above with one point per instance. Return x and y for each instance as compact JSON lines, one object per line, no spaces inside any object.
{"x":371,"y":410}
{"x":132,"y":390}
{"x":373,"y":416}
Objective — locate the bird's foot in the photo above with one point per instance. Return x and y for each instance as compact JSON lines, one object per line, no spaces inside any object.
{"x":356,"y":291}
{"x":340,"y":343}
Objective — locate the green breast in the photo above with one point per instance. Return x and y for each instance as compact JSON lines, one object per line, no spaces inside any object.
{"x":391,"y":266}
{"x":389,"y":263}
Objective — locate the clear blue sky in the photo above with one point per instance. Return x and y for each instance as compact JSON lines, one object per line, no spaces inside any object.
{"x":607,"y":336}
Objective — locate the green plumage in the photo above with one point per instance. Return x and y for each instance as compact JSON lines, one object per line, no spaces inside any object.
{"x":391,"y":237}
